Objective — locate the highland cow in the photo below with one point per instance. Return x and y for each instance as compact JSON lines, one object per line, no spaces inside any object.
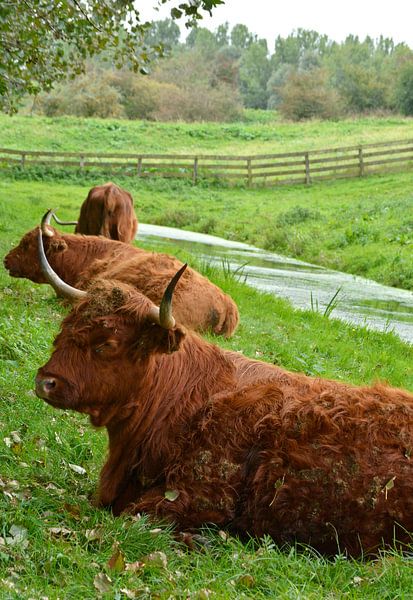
{"x":108,"y":211}
{"x":78,"y":259}
{"x":200,"y":435}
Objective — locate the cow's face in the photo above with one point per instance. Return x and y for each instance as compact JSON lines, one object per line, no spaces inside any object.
{"x":22,"y":261}
{"x":104,"y":354}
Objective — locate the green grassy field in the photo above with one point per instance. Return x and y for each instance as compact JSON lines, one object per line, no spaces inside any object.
{"x":361,"y":226}
{"x":260,"y":132}
{"x":55,"y":545}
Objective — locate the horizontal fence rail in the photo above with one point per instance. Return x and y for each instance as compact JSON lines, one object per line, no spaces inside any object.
{"x":258,"y":170}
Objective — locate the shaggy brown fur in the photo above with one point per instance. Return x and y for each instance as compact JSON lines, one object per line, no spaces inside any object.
{"x":108,"y":211}
{"x":198,"y":303}
{"x":78,"y":259}
{"x":240,"y":443}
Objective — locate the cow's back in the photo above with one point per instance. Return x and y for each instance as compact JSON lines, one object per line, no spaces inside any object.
{"x":108,"y":211}
{"x":198,"y":303}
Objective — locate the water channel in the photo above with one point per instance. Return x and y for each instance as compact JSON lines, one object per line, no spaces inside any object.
{"x":356,"y":300}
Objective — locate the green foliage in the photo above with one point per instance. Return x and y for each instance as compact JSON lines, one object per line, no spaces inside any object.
{"x":164,"y":33}
{"x":404,"y":90}
{"x":44,"y":41}
{"x":318,"y":77}
{"x":307,"y":95}
{"x":254,"y":71}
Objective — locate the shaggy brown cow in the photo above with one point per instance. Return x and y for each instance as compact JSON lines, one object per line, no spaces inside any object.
{"x":108,"y":211}
{"x":77,"y":259}
{"x":69,"y":254}
{"x":198,"y":436}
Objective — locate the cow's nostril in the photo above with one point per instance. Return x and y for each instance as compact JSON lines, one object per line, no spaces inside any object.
{"x":45,"y":385}
{"x":49,"y":384}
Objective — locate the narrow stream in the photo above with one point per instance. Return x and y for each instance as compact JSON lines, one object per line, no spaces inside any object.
{"x":355,"y":299}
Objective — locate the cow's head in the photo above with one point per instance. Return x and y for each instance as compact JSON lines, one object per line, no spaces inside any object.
{"x":23,"y":261}
{"x":107,"y":348}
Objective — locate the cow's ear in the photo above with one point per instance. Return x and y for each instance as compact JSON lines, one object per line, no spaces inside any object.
{"x":173,"y":339}
{"x":57,"y":245}
{"x":164,"y":341}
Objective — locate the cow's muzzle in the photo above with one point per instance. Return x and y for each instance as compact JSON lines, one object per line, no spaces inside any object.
{"x":45,"y":386}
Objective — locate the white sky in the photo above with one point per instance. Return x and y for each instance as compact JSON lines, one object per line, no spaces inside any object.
{"x":270,"y":18}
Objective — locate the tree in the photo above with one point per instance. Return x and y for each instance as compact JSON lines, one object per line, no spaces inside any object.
{"x":43,"y":41}
{"x":254,"y":72}
{"x":241,"y":37}
{"x":164,"y":33}
{"x":404,"y":89}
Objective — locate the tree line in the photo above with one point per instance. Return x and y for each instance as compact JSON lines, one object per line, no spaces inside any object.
{"x":214,"y":75}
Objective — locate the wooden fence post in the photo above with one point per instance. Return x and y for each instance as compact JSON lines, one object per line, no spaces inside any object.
{"x":23,"y":160}
{"x":249,"y":172}
{"x":139,"y":169}
{"x":361,"y":162}
{"x":307,"y":168}
{"x":82,"y":161}
{"x":195,"y":173}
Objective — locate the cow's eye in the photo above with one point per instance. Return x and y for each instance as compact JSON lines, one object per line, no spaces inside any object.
{"x":105,"y":346}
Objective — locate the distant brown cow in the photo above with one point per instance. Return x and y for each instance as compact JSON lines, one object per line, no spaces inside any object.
{"x":198,"y":436}
{"x":77,"y":259}
{"x":108,"y":211}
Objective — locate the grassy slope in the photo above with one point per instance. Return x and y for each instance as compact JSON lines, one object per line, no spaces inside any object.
{"x":363,"y":227}
{"x":65,"y":543}
{"x":261,"y":132}
{"x":359,"y":226}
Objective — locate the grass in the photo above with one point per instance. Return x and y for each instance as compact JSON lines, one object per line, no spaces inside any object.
{"x":360,"y":226}
{"x":260,"y":132}
{"x":54,"y":544}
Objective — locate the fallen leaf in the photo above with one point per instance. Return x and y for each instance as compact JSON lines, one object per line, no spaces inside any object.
{"x":102,"y":583}
{"x":128,"y":593}
{"x":155,"y":531}
{"x":77,"y":469}
{"x":135,"y":566}
{"x":171,"y":495}
{"x":17,"y":536}
{"x":73,"y":510}
{"x":117,"y":560}
{"x":94,"y":534}
{"x":60,"y":532}
{"x":157,"y":559}
{"x":389,"y":485}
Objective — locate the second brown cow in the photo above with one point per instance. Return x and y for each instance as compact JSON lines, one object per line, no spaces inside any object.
{"x":108,"y":211}
{"x":79,"y":259}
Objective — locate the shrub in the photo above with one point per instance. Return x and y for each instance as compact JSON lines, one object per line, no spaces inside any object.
{"x":306,"y":95}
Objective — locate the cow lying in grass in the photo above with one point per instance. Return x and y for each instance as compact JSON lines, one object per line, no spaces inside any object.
{"x":199,"y":305}
{"x":108,"y":211}
{"x":199,"y":435}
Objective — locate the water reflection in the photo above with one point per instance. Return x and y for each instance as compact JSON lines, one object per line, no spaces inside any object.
{"x":360,"y":301}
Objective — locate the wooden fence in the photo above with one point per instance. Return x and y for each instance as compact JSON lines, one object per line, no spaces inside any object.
{"x":258,"y":170}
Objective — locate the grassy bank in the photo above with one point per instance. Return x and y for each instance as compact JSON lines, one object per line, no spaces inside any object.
{"x":260,"y":132}
{"x":54,"y":544}
{"x":360,"y":226}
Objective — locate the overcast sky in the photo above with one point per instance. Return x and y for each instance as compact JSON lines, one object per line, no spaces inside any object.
{"x":270,"y":18}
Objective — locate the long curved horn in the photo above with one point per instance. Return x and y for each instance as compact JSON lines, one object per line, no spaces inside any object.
{"x":61,"y":288}
{"x":46,"y":222}
{"x":166,"y":319}
{"x":63,"y":222}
